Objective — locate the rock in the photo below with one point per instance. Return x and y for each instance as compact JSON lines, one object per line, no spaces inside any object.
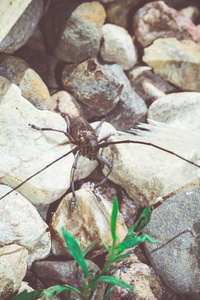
{"x":25,"y":151}
{"x":89,"y":220}
{"x":175,"y":258}
{"x":23,"y":28}
{"x":147,"y":173}
{"x":62,"y":272}
{"x":190,"y":12}
{"x":146,"y":283}
{"x":67,"y":104}
{"x":130,"y":109}
{"x":91,"y":84}
{"x":22,"y":225}
{"x":10,"y":14}
{"x":118,"y":46}
{"x":12,"y":269}
{"x":77,"y":33}
{"x":18,"y":72}
{"x":175,"y":61}
{"x":180,"y":110}
{"x":157,"y":20}
{"x":148,"y":85}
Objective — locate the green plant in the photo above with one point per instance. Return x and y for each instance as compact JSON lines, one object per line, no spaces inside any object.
{"x":132,"y":239}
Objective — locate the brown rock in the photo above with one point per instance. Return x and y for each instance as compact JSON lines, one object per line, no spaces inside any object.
{"x":18,"y":72}
{"x":175,"y":61}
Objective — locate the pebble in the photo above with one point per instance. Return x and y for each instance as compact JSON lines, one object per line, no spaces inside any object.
{"x":175,"y":257}
{"x":146,"y":283}
{"x":31,"y":85}
{"x":21,"y":224}
{"x":147,"y":173}
{"x":23,"y":28}
{"x":180,"y":110}
{"x":89,"y":220}
{"x":12,"y":269}
{"x":77,"y":33}
{"x":130,"y":109}
{"x":175,"y":61}
{"x":93,"y":85}
{"x":24,"y":151}
{"x":148,"y":85}
{"x":118,"y":46}
{"x":157,"y":20}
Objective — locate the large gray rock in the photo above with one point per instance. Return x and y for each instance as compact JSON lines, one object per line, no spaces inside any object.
{"x":21,"y":224}
{"x":25,"y":151}
{"x":176,"y":224}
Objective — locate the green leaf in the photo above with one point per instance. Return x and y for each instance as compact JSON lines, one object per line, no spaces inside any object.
{"x":25,"y":295}
{"x":89,"y":247}
{"x":75,"y":250}
{"x":112,"y":280}
{"x":57,"y":289}
{"x":132,"y":242}
{"x":109,"y":292}
{"x":106,"y":246}
{"x":119,"y":257}
{"x":142,"y":222}
{"x":113,"y":222}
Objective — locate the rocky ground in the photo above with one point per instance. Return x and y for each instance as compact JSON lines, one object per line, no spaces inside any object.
{"x":135,"y":65}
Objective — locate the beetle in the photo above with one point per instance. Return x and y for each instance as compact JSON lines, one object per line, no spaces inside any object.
{"x":87,"y":143}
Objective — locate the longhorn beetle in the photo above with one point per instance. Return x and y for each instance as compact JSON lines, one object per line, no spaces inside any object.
{"x":81,"y":133}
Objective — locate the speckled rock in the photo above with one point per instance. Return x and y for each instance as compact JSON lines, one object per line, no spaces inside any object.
{"x":175,"y":61}
{"x":146,"y":283}
{"x":148,"y":85}
{"x":93,"y":85}
{"x":180,"y":110}
{"x":78,"y":32}
{"x":31,"y":85}
{"x":157,"y":20}
{"x":23,"y":28}
{"x":147,"y":174}
{"x":12,"y":269}
{"x":175,"y":257}
{"x":89,"y":220}
{"x":190,"y":12}
{"x":118,"y":46}
{"x":21,"y":224}
{"x":25,"y":151}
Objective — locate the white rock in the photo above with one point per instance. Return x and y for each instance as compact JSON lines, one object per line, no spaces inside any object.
{"x":118,"y":46}
{"x":147,"y":173}
{"x":13,"y":267}
{"x":89,"y":220}
{"x":21,"y":224}
{"x":24,"y":151}
{"x":180,"y":110}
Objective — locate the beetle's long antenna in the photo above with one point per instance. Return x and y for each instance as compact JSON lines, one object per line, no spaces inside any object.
{"x":105,"y":144}
{"x":47,"y":166}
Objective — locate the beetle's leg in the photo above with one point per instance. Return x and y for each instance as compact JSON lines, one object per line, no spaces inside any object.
{"x":73,"y":201}
{"x":105,"y":162}
{"x":105,"y":137}
{"x":99,"y":126}
{"x":51,"y":129}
